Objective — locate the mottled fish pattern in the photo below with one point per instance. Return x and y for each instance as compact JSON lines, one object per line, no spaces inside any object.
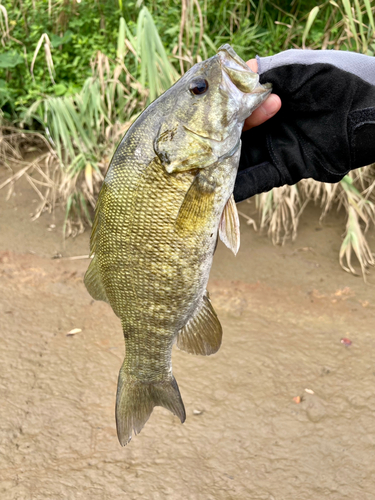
{"x":166,"y":197}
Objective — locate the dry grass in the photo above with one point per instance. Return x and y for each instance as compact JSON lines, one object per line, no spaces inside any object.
{"x":281,"y":208}
{"x":29,"y":155}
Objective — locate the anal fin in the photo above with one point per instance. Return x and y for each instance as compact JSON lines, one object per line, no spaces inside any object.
{"x":229,"y":227}
{"x":203,"y":333}
{"x":93,"y":281}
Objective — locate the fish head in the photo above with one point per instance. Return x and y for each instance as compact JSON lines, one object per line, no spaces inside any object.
{"x":210,"y":104}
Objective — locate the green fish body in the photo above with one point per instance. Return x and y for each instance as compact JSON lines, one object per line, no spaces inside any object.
{"x":166,"y":197}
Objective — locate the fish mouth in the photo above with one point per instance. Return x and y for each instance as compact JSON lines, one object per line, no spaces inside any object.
{"x":238,"y":76}
{"x":231,"y":58}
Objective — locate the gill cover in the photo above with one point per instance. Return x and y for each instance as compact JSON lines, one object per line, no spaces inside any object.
{"x":180,"y":149}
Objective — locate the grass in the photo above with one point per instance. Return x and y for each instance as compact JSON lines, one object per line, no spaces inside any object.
{"x":76,"y":132}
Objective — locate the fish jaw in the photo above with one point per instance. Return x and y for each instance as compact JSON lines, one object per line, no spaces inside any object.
{"x":241,"y":83}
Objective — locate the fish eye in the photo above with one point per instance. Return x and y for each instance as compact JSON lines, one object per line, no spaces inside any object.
{"x":198,"y":86}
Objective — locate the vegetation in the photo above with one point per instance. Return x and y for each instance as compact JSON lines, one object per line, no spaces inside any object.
{"x":75,"y":73}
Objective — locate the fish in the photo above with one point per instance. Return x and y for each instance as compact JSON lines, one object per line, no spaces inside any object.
{"x":166,"y":198}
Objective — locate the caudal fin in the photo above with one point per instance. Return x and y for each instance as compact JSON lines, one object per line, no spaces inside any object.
{"x":136,"y":400}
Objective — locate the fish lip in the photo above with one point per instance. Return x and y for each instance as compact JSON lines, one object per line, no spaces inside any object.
{"x":263,"y":89}
{"x":225,"y":51}
{"x":247,"y":91}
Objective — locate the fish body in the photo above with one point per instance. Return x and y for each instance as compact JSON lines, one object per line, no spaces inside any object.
{"x":166,"y":195}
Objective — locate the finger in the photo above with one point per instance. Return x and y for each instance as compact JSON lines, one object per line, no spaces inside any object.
{"x":266,"y":111}
{"x":253,"y":65}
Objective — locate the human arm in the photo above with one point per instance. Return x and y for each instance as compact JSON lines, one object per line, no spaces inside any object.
{"x":325,"y":127}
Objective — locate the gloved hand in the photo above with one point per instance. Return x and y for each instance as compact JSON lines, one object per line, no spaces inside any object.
{"x":326,"y":125}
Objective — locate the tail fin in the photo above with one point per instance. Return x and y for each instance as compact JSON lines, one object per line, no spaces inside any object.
{"x":136,"y":400}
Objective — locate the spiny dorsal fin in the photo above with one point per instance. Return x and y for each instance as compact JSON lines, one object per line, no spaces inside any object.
{"x":136,"y":399}
{"x":203,"y":333}
{"x":229,"y":228}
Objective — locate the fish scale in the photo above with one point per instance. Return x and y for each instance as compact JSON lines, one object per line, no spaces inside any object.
{"x":156,"y":225}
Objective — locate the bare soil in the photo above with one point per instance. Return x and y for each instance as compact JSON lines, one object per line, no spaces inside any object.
{"x":284,"y":312}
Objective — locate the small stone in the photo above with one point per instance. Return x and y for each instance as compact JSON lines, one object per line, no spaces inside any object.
{"x":346,"y":342}
{"x":197,"y":412}
{"x":315,"y":410}
{"x":74,"y":331}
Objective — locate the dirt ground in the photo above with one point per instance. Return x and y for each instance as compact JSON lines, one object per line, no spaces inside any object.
{"x":284,"y":311}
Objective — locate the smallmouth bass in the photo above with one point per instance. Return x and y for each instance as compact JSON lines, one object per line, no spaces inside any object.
{"x":165,"y":199}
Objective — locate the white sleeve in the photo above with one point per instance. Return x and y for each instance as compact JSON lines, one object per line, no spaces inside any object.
{"x":357,"y":64}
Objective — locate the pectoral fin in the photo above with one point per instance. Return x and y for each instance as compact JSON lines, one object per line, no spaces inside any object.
{"x":197,"y":204}
{"x":203,"y":333}
{"x":229,"y":228}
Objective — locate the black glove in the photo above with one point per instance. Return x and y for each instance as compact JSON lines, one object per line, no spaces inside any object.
{"x":326,"y":125}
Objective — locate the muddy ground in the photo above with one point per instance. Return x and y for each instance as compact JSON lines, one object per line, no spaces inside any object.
{"x":284,"y":312}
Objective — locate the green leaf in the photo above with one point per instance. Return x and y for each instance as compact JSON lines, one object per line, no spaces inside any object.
{"x":310,"y":21}
{"x":121,"y":39}
{"x":56,"y":41}
{"x":10,"y":59}
{"x":60,"y":89}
